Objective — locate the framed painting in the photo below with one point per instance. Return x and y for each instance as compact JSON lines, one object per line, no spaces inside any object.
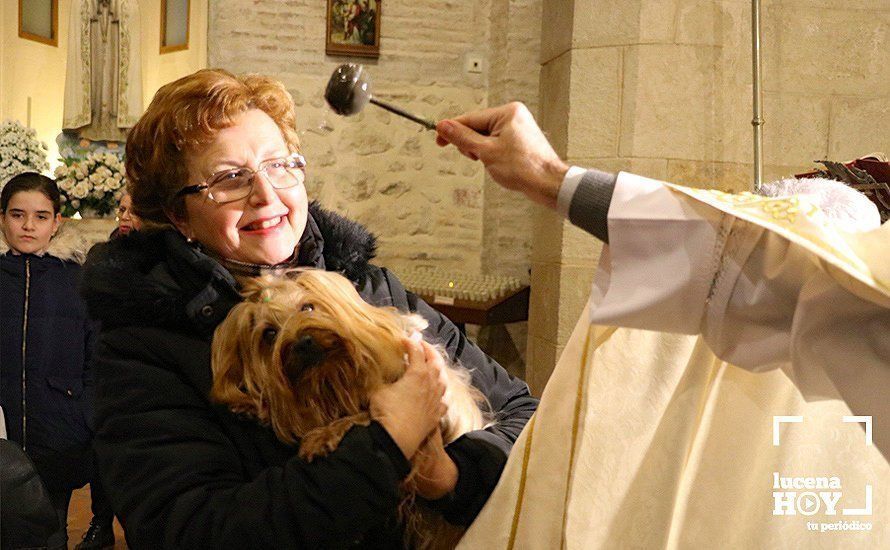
{"x":39,"y":21}
{"x":353,"y":28}
{"x":174,"y":25}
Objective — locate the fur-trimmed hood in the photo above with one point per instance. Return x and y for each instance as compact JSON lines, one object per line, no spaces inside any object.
{"x":156,"y":278}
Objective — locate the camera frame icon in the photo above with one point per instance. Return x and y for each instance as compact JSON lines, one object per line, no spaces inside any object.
{"x":859,"y":419}
{"x":779,"y":420}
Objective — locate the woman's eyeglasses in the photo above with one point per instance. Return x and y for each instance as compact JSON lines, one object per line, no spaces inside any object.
{"x":236,"y":183}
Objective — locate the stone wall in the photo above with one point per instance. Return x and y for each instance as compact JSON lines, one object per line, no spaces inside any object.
{"x":673,"y":85}
{"x":513,"y":76}
{"x":507,"y":216}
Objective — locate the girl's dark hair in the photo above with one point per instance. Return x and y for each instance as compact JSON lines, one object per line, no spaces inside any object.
{"x":31,"y":181}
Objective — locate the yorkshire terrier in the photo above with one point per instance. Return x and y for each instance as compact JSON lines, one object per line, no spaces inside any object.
{"x":304,"y":352}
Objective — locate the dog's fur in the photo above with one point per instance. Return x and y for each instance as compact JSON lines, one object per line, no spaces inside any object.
{"x":303,"y":353}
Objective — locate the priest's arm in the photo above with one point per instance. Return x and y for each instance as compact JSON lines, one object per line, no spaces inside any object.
{"x":768,"y":282}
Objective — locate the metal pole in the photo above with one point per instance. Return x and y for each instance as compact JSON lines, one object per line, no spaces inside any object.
{"x":757,"y":121}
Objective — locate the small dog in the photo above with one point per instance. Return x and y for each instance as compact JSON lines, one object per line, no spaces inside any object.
{"x":303,"y":353}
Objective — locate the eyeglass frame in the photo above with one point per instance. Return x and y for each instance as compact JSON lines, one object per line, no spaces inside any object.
{"x":197,"y":188}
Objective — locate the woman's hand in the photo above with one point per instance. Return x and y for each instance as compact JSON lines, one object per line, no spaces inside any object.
{"x":410,"y":408}
{"x":437,"y":474}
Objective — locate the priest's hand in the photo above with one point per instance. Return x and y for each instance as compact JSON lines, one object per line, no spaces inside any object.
{"x":512,"y":147}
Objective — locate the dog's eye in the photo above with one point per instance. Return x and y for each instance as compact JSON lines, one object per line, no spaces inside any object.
{"x":269,"y":335}
{"x":307,"y":307}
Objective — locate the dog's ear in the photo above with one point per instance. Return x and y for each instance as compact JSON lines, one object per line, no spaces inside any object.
{"x":227,"y":354}
{"x":252,"y":288}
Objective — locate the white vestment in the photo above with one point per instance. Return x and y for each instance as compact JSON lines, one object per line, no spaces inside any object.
{"x":103,"y":79}
{"x":646,"y":439}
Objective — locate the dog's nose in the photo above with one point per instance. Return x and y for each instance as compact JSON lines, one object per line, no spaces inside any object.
{"x":303,"y":354}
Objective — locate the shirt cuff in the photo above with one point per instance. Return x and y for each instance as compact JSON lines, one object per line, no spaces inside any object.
{"x":584,"y":198}
{"x":567,"y":189}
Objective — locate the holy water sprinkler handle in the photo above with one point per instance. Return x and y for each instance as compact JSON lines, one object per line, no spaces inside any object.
{"x":349,"y":90}
{"x":393,"y":109}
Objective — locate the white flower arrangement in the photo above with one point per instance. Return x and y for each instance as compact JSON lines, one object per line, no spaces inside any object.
{"x":20,"y":151}
{"x":94,"y":184}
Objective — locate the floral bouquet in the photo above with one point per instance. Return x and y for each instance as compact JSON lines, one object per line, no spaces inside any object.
{"x":91,"y":186}
{"x":20,"y":151}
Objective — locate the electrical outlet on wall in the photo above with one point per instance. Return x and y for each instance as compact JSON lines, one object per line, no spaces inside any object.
{"x":473,"y":63}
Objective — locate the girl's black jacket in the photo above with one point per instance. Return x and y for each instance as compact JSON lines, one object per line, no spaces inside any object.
{"x":45,"y":380}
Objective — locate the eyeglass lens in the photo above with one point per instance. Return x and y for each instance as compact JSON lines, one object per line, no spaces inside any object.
{"x":236,"y":184}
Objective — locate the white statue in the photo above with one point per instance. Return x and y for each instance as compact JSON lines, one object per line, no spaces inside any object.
{"x":103,"y":84}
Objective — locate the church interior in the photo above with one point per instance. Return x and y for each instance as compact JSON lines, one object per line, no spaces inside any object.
{"x":659,"y":88}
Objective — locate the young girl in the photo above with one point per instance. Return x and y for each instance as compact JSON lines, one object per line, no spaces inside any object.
{"x":45,"y":383}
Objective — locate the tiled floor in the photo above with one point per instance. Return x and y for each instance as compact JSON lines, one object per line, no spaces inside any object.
{"x":79,"y":517}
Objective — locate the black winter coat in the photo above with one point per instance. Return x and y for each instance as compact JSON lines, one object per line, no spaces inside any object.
{"x":182,"y":472}
{"x":48,"y":403}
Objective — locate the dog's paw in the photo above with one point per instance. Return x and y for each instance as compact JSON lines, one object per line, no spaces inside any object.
{"x":322,"y":441}
{"x":318,"y":443}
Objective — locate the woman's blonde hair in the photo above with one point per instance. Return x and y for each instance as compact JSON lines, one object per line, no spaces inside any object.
{"x":185,"y":114}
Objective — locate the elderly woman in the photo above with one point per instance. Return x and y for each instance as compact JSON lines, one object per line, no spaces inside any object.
{"x":216,"y":160}
{"x":127,"y":221}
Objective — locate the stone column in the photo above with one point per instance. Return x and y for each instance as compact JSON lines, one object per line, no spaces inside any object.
{"x":613,"y":81}
{"x":580,"y":107}
{"x":513,"y":72}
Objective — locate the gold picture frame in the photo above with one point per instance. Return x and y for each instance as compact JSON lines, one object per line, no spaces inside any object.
{"x":28,"y":16}
{"x":180,"y":11}
{"x":353,"y":28}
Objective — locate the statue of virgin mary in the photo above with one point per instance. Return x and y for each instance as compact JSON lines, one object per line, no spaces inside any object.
{"x":103,"y":84}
